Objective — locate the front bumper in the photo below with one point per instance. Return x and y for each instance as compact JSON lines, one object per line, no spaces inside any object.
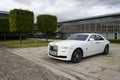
{"x":58,"y":56}
{"x":56,"y":52}
{"x":61,"y":56}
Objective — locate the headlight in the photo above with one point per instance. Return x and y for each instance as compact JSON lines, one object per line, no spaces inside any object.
{"x":64,"y":47}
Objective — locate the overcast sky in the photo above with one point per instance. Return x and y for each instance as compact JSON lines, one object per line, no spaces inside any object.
{"x":64,"y":9}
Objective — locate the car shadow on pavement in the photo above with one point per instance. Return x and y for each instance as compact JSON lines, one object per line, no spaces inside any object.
{"x":93,"y":56}
{"x":56,"y":61}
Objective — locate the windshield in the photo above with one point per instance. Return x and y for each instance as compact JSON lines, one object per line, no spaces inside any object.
{"x":78,"y":37}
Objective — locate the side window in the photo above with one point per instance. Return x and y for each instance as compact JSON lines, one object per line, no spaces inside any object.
{"x":93,"y":36}
{"x":98,"y":37}
{"x":82,"y":37}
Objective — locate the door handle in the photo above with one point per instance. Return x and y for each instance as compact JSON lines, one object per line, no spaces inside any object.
{"x":97,"y":42}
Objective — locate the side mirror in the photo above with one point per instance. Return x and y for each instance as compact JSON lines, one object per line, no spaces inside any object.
{"x":91,"y":39}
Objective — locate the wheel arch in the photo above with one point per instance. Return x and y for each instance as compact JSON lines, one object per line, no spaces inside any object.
{"x":72,"y":56}
{"x":107,"y":45}
{"x":76,"y":49}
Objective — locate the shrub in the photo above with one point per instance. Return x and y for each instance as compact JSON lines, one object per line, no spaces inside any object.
{"x":114,"y":40}
{"x":4,"y":25}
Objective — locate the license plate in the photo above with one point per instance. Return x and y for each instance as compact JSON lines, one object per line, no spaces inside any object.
{"x":53,"y":52}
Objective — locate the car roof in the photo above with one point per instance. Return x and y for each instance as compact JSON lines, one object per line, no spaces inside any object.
{"x":87,"y":34}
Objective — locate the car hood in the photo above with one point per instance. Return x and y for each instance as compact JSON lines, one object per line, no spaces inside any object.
{"x":67,"y":42}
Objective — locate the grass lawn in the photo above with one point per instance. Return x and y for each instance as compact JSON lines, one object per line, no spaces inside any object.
{"x":25,"y":43}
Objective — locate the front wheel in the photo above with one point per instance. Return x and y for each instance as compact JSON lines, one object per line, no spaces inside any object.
{"x":106,"y":50}
{"x":77,"y":56}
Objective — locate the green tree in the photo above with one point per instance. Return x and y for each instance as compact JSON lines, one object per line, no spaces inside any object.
{"x":47,"y":23}
{"x":21,"y":21}
{"x":4,"y":27}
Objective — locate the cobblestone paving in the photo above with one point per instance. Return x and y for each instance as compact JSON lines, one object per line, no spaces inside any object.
{"x":98,"y":67}
{"x":14,"y":67}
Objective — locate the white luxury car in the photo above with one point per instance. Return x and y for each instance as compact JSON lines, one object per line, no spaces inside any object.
{"x":78,"y":46}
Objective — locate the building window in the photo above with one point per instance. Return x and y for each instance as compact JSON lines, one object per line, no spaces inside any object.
{"x":115,"y":35}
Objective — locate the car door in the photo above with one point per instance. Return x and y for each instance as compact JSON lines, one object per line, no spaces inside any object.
{"x":91,"y":46}
{"x":99,"y":43}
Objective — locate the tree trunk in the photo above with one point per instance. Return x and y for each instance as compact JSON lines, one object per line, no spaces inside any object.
{"x":26,"y":35}
{"x":46,"y":37}
{"x":20,"y":38}
{"x":1,"y":37}
{"x":4,"y":35}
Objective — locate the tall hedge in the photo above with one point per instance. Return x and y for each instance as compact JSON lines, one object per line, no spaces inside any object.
{"x":47,"y":23}
{"x":4,"y":25}
{"x":21,"y":20}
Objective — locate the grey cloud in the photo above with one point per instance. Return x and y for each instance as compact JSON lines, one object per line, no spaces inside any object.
{"x":75,"y":9}
{"x":26,"y":2}
{"x":65,"y":9}
{"x":110,"y":2}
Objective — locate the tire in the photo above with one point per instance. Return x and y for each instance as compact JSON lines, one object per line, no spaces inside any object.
{"x":77,"y":56}
{"x":106,"y":50}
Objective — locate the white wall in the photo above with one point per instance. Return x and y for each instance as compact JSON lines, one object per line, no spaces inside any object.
{"x":118,"y":35}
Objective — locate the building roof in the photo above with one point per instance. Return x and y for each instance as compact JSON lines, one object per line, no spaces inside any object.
{"x":4,"y":12}
{"x":93,"y":17}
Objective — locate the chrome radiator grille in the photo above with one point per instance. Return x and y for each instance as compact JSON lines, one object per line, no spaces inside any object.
{"x":53,"y":47}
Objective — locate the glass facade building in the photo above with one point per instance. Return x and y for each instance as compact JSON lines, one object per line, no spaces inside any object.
{"x":107,"y":25}
{"x":4,"y":14}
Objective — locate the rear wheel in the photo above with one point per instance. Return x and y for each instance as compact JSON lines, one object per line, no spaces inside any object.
{"x":77,"y":56}
{"x":106,"y":50}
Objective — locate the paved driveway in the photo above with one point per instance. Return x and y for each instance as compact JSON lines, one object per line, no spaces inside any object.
{"x":14,"y":67}
{"x":98,"y":67}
